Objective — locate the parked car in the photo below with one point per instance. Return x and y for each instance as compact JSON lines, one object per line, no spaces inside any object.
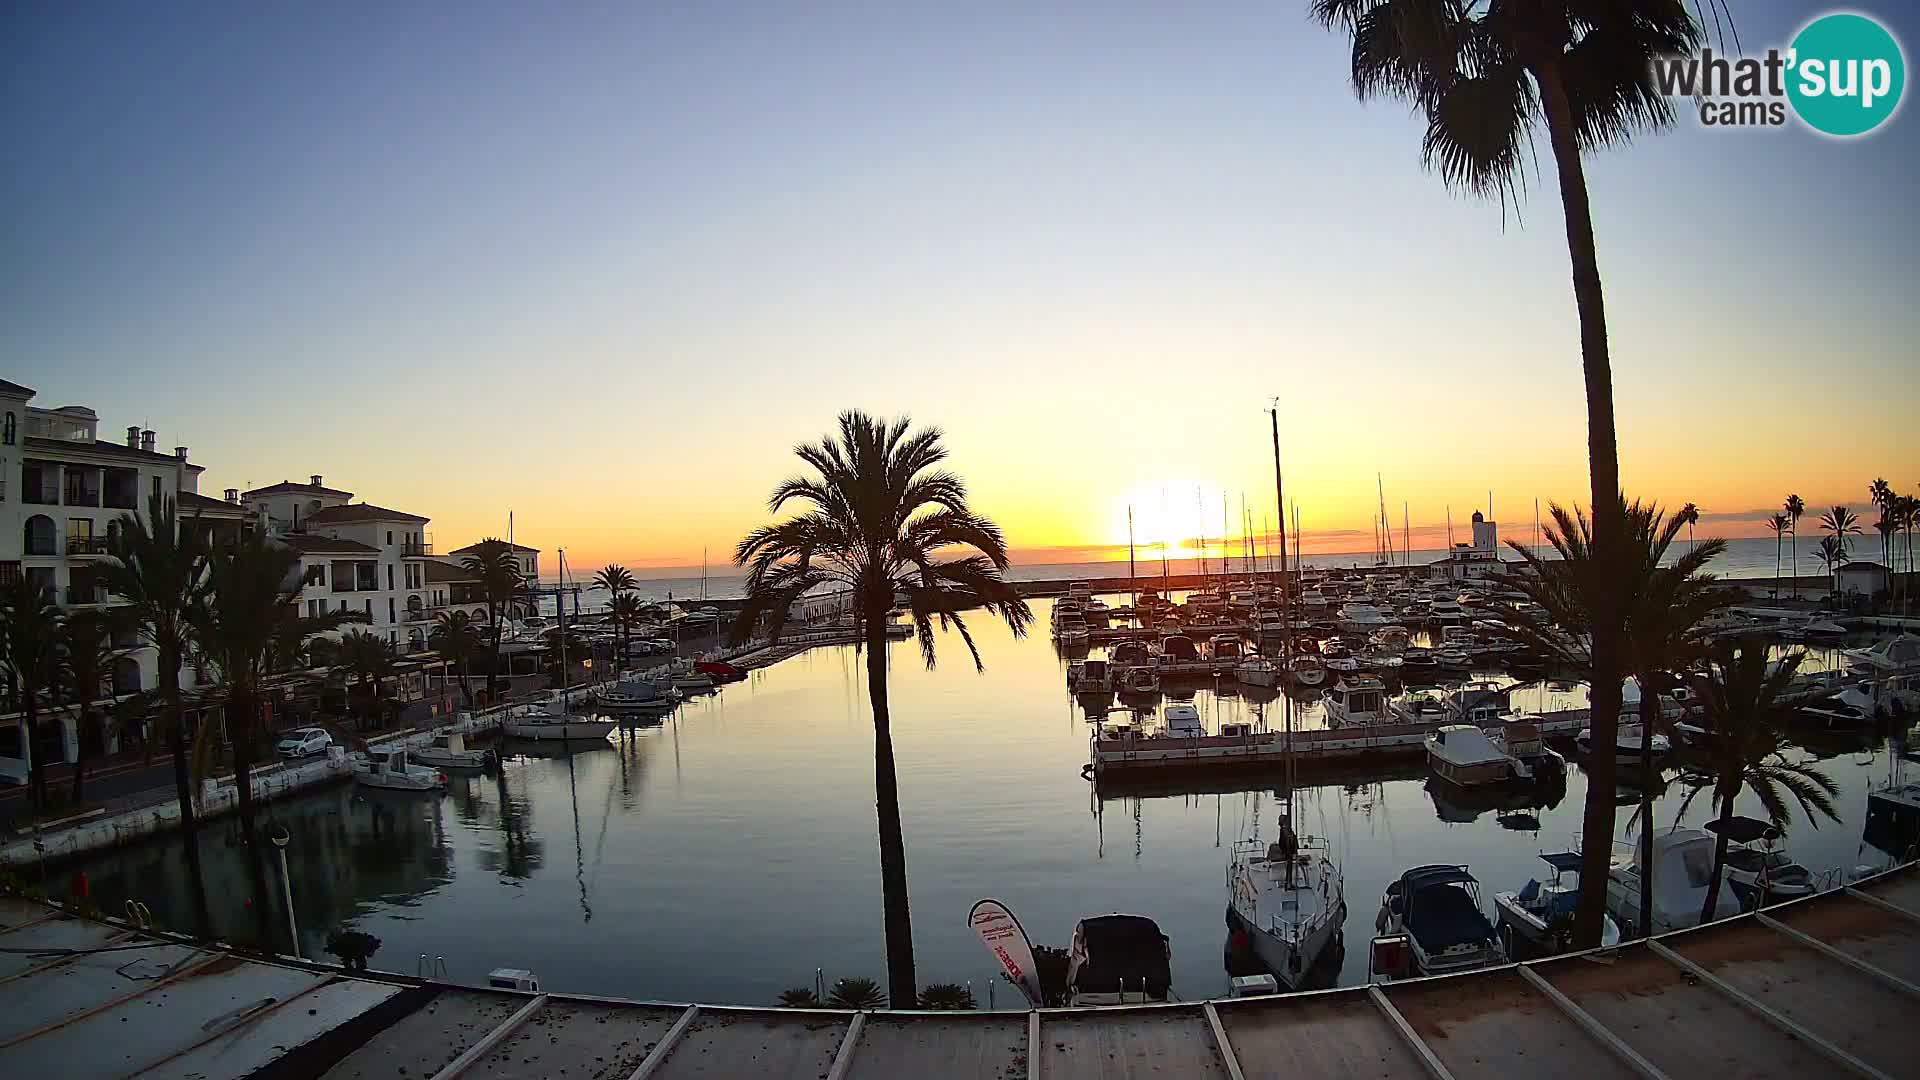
{"x":304,"y":742}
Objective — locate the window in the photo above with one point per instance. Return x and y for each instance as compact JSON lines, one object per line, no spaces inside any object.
{"x":7,"y":431}
{"x":389,"y":537}
{"x":389,"y":565}
{"x":155,"y":485}
{"x":369,"y":609}
{"x":390,"y":615}
{"x":316,"y":608}
{"x":316,"y":574}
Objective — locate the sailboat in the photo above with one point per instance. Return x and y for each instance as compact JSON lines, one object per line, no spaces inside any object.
{"x":1287,"y":897}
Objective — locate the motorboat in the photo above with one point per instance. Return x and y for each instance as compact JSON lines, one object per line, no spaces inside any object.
{"x":1096,"y":677}
{"x":1118,"y":960}
{"x":1888,"y":656}
{"x":1071,"y":631}
{"x":1306,"y":669}
{"x":1225,"y":646}
{"x":1257,"y":671}
{"x":1479,"y":701}
{"x":1684,"y":865}
{"x":1130,"y":652}
{"x":448,"y":750}
{"x":1453,"y":657}
{"x":1842,"y":711}
{"x":1182,"y":721}
{"x":1462,"y":754}
{"x":1537,"y":918}
{"x":1080,"y":591}
{"x":1178,"y":649}
{"x":1436,"y":914}
{"x":1392,"y":636}
{"x":635,"y":695}
{"x":392,"y":771}
{"x":1355,"y":618}
{"x":1757,"y":870}
{"x":1418,"y":661}
{"x":1446,"y":613}
{"x":1313,"y":600}
{"x":1288,"y":899}
{"x":1627,"y":743}
{"x":552,"y":723}
{"x":720,"y":670}
{"x":1420,"y":707}
{"x":1519,"y":735}
{"x":1096,"y":612}
{"x":1140,"y":680}
{"x":1374,"y":658}
{"x":1270,"y":622}
{"x":1356,"y":701}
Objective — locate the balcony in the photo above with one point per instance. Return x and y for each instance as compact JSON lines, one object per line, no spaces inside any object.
{"x":416,"y":548}
{"x":86,"y":545}
{"x":416,"y":615}
{"x":40,"y":496}
{"x":83,"y":496}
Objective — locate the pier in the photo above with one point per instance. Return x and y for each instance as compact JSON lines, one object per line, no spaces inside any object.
{"x":1824,"y":986}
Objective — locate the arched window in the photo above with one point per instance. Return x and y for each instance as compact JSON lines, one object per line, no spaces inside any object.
{"x":42,"y":538}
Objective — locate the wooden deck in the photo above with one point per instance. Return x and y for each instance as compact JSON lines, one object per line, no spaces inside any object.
{"x":1819,"y":987}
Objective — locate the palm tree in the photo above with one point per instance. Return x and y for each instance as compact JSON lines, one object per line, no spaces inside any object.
{"x":1840,"y":523}
{"x":493,"y":566}
{"x":626,"y":609}
{"x":1907,"y":507}
{"x":368,"y":656}
{"x":880,"y":517}
{"x":242,"y":630}
{"x":1690,"y":516}
{"x":1667,"y":607}
{"x":857,"y":994}
{"x":1795,"y":508}
{"x":454,"y":635}
{"x":1745,"y":696}
{"x":159,"y":567}
{"x":618,"y":581}
{"x":1661,"y":609}
{"x":1831,"y":553}
{"x":31,"y":628}
{"x":88,"y":654}
{"x":1487,"y":77}
{"x":1777,"y":525}
{"x":1888,"y":526}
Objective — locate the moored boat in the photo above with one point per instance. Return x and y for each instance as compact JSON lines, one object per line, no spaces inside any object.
{"x":1434,"y":914}
{"x":552,"y":723}
{"x":391,"y":770}
{"x":1537,"y":918}
{"x":1684,"y":858}
{"x":1356,"y":701}
{"x":1118,"y":960}
{"x":448,"y":750}
{"x":1306,"y":669}
{"x":1462,"y":754}
{"x":1288,"y":898}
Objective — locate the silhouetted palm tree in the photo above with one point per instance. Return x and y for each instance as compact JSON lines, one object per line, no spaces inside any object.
{"x":455,"y":636}
{"x":1840,"y":523}
{"x":88,"y":654}
{"x":1487,"y":77}
{"x":879,"y":516}
{"x":1795,"y":508}
{"x":1689,"y":515}
{"x":618,"y":581}
{"x":626,"y":610}
{"x":158,"y":565}
{"x":31,"y":627}
{"x":371,"y":658}
{"x":1667,"y":608}
{"x":1832,"y":554}
{"x":1777,"y":525}
{"x":242,"y":629}
{"x":1744,"y":695}
{"x":493,"y":566}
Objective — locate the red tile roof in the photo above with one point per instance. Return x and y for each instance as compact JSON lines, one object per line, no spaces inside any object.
{"x":304,"y":489}
{"x":471,"y":548}
{"x":340,"y":515}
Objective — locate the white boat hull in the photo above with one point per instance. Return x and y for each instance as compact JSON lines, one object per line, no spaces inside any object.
{"x":415,"y":780}
{"x":1476,"y":774}
{"x":558,"y":730}
{"x":1289,"y":961}
{"x":440,"y":759}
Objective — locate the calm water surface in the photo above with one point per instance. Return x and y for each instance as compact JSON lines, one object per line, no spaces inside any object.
{"x":726,"y":853}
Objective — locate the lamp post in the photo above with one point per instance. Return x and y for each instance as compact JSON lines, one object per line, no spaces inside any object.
{"x":280,"y":837}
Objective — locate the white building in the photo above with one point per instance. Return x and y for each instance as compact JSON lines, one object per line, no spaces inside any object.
{"x":1868,"y":579}
{"x":61,"y":491}
{"x":1475,"y":561}
{"x":353,"y":556}
{"x":527,"y":557}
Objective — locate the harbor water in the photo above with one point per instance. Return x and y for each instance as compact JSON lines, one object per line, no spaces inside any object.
{"x":728,"y":851}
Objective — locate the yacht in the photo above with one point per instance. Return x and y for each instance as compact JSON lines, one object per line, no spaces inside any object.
{"x":1096,"y":612}
{"x":1537,"y":918}
{"x":634,"y":694}
{"x":1306,"y":669}
{"x":1096,"y":677}
{"x":1519,"y":735}
{"x":1289,"y":900}
{"x":1361,"y":618}
{"x":550,"y":722}
{"x":392,"y":771}
{"x":1182,"y":721}
{"x":448,"y":750}
{"x":1314,"y":601}
{"x":1435,"y":914}
{"x":1446,"y":613}
{"x":1684,"y":858}
{"x":1759,"y":872}
{"x":1071,"y":630}
{"x":1225,"y":646}
{"x":1421,"y":707}
{"x":1356,"y":701}
{"x":1242,"y":601}
{"x":1627,"y":743}
{"x":1895,"y":654}
{"x":1178,"y":649}
{"x":1118,"y":960}
{"x":1479,"y":701}
{"x":1463,"y":755}
{"x":1140,"y":680}
{"x":1257,"y":671}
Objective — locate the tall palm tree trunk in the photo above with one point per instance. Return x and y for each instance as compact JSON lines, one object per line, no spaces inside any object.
{"x":241,"y":709}
{"x":1726,"y":790}
{"x":1793,"y":535}
{"x":1649,"y":712}
{"x":183,"y":789}
{"x":1776,"y":566}
{"x":1604,"y":468}
{"x":81,"y":725}
{"x":902,"y":987}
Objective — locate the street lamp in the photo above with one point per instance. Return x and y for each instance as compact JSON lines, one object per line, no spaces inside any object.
{"x":280,"y":837}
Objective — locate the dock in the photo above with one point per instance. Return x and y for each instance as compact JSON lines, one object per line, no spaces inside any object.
{"x":1135,"y":754}
{"x":1824,"y":986}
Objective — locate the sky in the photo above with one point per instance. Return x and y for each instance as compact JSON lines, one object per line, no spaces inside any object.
{"x":603,"y":266}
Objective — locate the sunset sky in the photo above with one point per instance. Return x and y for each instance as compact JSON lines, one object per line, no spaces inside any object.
{"x":603,"y":265}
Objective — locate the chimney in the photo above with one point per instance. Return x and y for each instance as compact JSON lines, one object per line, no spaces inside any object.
{"x":133,"y":436}
{"x":316,"y":480}
{"x":180,"y":453}
{"x":146,"y":440}
{"x":233,"y":495}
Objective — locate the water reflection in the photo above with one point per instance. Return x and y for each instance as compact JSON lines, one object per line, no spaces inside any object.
{"x":731,"y":845}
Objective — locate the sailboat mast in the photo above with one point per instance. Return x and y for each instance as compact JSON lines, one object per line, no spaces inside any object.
{"x":1406,"y":536}
{"x":1286,"y":614}
{"x":1133,"y":590}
